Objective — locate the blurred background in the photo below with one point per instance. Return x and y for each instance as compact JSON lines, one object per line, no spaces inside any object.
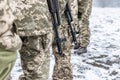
{"x":106,"y":3}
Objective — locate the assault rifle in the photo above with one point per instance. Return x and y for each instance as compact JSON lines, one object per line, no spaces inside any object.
{"x":53,"y":6}
{"x":69,"y":20}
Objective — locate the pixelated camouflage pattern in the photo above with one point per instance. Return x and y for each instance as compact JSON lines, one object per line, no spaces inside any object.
{"x":35,"y":28}
{"x":9,"y":41}
{"x":74,"y":11}
{"x":33,"y":20}
{"x":32,"y":17}
{"x":81,"y":10}
{"x":62,"y":68}
{"x":35,"y":56}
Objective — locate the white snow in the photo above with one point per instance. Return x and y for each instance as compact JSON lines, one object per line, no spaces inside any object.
{"x":103,"y":57}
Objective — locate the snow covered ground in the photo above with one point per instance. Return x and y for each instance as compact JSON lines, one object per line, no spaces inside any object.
{"x":102,"y":61}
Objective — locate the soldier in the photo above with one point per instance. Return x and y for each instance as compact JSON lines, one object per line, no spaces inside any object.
{"x":9,"y":41}
{"x":35,"y":28}
{"x":81,"y":10}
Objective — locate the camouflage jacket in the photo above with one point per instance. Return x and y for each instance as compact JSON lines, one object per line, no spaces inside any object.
{"x":32,"y":16}
{"x":8,"y":40}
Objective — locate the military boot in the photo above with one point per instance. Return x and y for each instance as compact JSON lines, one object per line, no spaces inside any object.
{"x":80,"y":50}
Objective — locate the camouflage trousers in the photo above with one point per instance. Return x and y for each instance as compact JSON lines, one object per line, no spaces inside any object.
{"x":62,"y":68}
{"x":84,"y":36}
{"x":35,"y":57}
{"x":84,"y":9}
{"x":81,"y":10}
{"x":7,"y":60}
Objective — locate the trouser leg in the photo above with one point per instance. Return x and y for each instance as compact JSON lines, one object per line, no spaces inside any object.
{"x":62,"y":68}
{"x":35,"y":58}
